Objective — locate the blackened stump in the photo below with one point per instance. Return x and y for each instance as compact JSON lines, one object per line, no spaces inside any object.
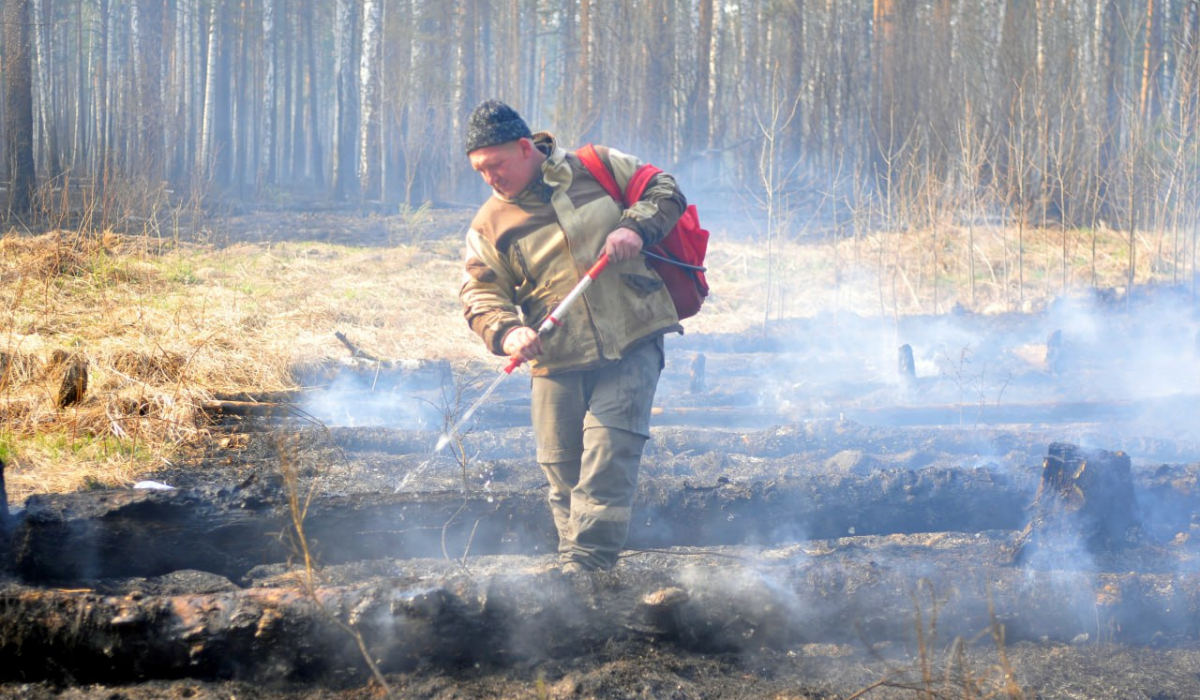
{"x":74,"y":384}
{"x":1084,"y":503}
{"x":1055,"y":356}
{"x":906,"y":367}
{"x":696,"y":383}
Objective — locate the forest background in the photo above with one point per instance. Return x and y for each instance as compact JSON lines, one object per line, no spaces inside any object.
{"x":1079,"y":112}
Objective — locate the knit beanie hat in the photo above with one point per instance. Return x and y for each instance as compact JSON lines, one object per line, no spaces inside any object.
{"x":494,"y":122}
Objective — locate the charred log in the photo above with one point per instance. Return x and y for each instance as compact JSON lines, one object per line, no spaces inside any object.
{"x":112,"y":534}
{"x":218,"y":408}
{"x":102,"y":534}
{"x":857,"y":591}
{"x":1084,"y":502}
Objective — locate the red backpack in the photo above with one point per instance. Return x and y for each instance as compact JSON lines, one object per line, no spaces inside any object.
{"x":679,"y":258}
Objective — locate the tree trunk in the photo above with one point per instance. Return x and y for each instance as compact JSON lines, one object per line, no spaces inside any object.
{"x":47,"y":108}
{"x":699,"y":135}
{"x":345,"y":128}
{"x":284,"y":163}
{"x":471,"y":45}
{"x":294,"y":115}
{"x":583,"y":95}
{"x":99,"y":86}
{"x":207,"y":139}
{"x":18,"y":106}
{"x":80,"y":99}
{"x":369,"y":102}
{"x":886,"y":131}
{"x":245,"y":102}
{"x":266,"y":164}
{"x":316,"y":156}
{"x":793,"y":146}
{"x":188,"y":93}
{"x":1151,"y":51}
{"x":150,"y":104}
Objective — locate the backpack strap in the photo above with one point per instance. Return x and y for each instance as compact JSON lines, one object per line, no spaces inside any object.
{"x":637,"y":184}
{"x":601,"y":173}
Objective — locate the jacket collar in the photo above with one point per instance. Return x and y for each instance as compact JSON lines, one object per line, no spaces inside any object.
{"x":544,"y":141}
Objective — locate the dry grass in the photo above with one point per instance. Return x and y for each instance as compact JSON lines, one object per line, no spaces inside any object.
{"x":164,"y":325}
{"x":924,"y":273}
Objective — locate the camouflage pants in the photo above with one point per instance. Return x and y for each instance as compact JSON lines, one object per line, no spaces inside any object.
{"x":591,"y":427}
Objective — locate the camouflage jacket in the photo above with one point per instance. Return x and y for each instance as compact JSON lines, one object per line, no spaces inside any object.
{"x":526,"y":254}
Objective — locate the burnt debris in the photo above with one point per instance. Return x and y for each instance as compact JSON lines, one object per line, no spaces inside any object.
{"x":1085,"y":502}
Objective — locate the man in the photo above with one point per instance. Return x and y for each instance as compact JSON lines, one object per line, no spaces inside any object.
{"x":594,"y":377}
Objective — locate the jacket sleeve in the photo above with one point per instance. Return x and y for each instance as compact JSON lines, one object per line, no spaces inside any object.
{"x":488,"y":293}
{"x":655,"y":214}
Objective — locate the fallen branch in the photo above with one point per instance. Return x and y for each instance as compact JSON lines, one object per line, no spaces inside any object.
{"x":355,"y":351}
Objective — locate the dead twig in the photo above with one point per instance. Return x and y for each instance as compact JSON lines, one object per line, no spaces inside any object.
{"x":298,"y":509}
{"x":355,"y":351}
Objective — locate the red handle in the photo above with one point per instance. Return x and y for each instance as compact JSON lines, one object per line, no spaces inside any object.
{"x":513,"y":363}
{"x":599,"y":266}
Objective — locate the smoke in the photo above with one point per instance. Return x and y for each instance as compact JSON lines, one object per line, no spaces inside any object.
{"x":1146,"y":349}
{"x":752,"y":608}
{"x":357,"y":400}
{"x":1131,"y":368}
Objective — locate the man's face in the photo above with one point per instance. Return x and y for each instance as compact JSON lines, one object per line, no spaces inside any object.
{"x":507,"y":168}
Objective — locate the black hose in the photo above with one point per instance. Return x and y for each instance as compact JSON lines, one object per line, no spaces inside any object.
{"x":674,"y":261}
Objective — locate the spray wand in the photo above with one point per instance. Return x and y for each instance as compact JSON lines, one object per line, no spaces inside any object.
{"x":554,"y":319}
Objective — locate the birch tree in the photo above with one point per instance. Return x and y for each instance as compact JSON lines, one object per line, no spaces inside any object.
{"x":47,"y":114}
{"x":369,"y":94}
{"x":266,"y":164}
{"x":345,"y":125}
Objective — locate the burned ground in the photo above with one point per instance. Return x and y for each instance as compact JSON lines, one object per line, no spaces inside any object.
{"x":813,"y":521}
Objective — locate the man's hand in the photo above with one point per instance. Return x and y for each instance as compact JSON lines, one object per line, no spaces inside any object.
{"x":623,"y":244}
{"x":523,"y":342}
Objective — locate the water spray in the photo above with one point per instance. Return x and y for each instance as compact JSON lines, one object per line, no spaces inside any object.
{"x":553,"y":320}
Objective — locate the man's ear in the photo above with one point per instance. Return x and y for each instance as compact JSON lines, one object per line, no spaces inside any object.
{"x":526,"y":146}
